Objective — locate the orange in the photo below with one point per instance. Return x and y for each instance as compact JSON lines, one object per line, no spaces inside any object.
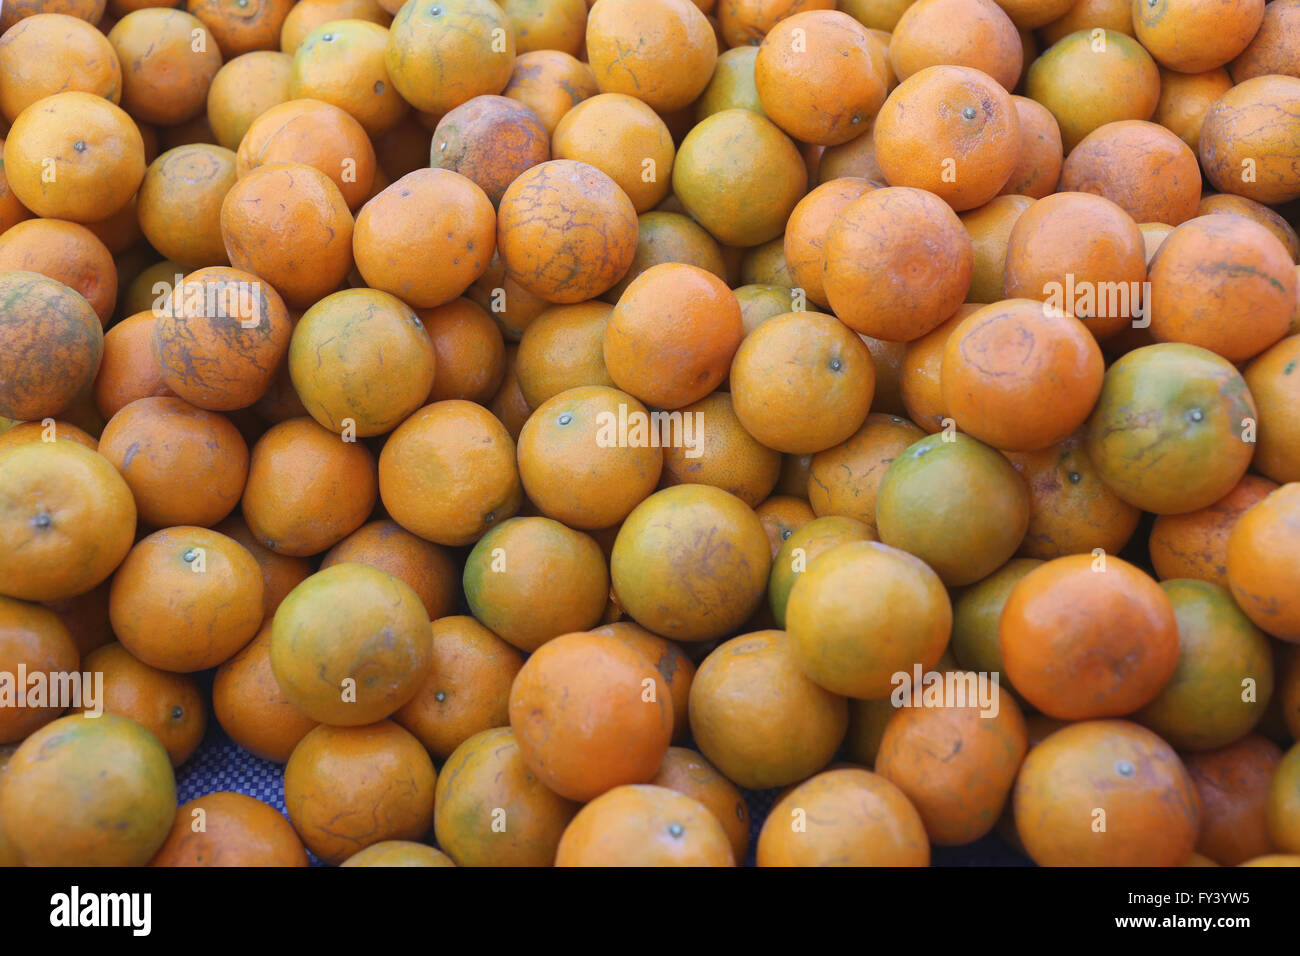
{"x":673,"y":666}
{"x":760,"y":302}
{"x":956,"y":504}
{"x":1185,"y":98}
{"x":1261,"y":563}
{"x":1111,"y":774}
{"x":1019,"y":376}
{"x":1116,"y":15}
{"x":430,"y":570}
{"x":442,"y":53}
{"x":547,"y":24}
{"x":765,"y":264}
{"x":33,"y":639}
{"x":989,"y":228}
{"x":919,"y":384}
{"x":1284,"y":804}
{"x":307,"y":489}
{"x":280,"y":573}
{"x":485,"y":779}
{"x":563,"y":348}
{"x":53,"y":53}
{"x":168,"y":61}
{"x":448,"y":473}
{"x":184,"y":465}
{"x":47,"y":430}
{"x":1038,"y":166}
{"x":691,"y":775}
{"x":623,"y":138}
{"x":307,"y":15}
{"x":551,"y":82}
{"x":722,"y":453}
{"x":669,"y":237}
{"x":490,"y":140}
{"x":913,"y":239}
{"x":797,"y":87}
{"x":67,"y":253}
{"x":1166,"y":434}
{"x":230,"y":829}
{"x":1232,"y":786}
{"x":950,"y":130}
{"x":1085,"y":637}
{"x":469,"y":351}
{"x":88,"y":791}
{"x":975,"y":613}
{"x":349,"y":645}
{"x":585,"y":716}
{"x":739,"y":176}
{"x":280,"y":200}
{"x":508,"y":404}
{"x":169,"y":705}
{"x":1274,"y":47}
{"x":1071,"y":510}
{"x":398,"y":853}
{"x":1227,"y":204}
{"x":1242,"y":147}
{"x":1088,"y":79}
{"x":970,"y":33}
{"x":98,"y":156}
{"x":690,"y":563}
{"x":244,"y":89}
{"x":239,"y":27}
{"x":221,"y":339}
{"x":180,"y":204}
{"x":1274,"y":381}
{"x":644,"y":826}
{"x":845,"y":817}
{"x":732,"y":85}
{"x":1195,"y":37}
{"x":1195,"y":544}
{"x":67,"y":519}
{"x":805,"y":231}
{"x":92,"y":11}
{"x":781,"y":516}
{"x":346,"y":788}
{"x":748,"y":21}
{"x":1144,"y":168}
{"x":660,"y":51}
{"x":342,"y":63}
{"x":250,"y":705}
{"x":511,"y":306}
{"x":844,"y":479}
{"x":852,"y":640}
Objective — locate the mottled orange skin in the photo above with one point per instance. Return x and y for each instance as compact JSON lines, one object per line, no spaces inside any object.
{"x":88,"y":791}
{"x":1275,"y":47}
{"x":971,"y":33}
{"x":98,"y":156}
{"x":570,"y":475}
{"x":1150,"y":804}
{"x":170,"y":706}
{"x":65,"y":252}
{"x":805,"y":231}
{"x":1274,"y":382}
{"x":342,"y":63}
{"x":1081,"y":644}
{"x":1185,"y":98}
{"x":975,"y":613}
{"x":1142,"y":167}
{"x":490,"y":140}
{"x":92,"y":11}
{"x":1115,"y":15}
{"x":230,"y":829}
{"x":307,"y":489}
{"x":129,"y":369}
{"x":989,"y":228}
{"x":563,"y":348}
{"x":660,"y":51}
{"x":316,"y":134}
{"x":894,"y":234}
{"x":1248,"y":129}
{"x":844,"y":817}
{"x":739,"y":176}
{"x":307,"y":15}
{"x":765,"y":264}
{"x":346,"y":788}
{"x":180,"y":204}
{"x":429,"y":569}
{"x":551,"y":83}
{"x":53,"y":53}
{"x":242,"y":26}
{"x":442,"y":53}
{"x":35,"y":638}
{"x":244,"y":89}
{"x":184,"y":465}
{"x":746,"y":22}
{"x":644,"y":826}
{"x":732,"y":84}
{"x":280,"y":573}
{"x":1195,"y":37}
{"x":581,"y":716}
{"x":51,"y":342}
{"x":619,"y":135}
{"x":221,"y":339}
{"x":467,"y":688}
{"x":398,"y":853}
{"x":843,"y":480}
{"x":250,"y":705}
{"x":1264,"y":560}
{"x":547,"y":24}
{"x":1195,"y":544}
{"x":39,"y":431}
{"x":164,"y":79}
{"x":725,"y":455}
{"x":1071,"y":510}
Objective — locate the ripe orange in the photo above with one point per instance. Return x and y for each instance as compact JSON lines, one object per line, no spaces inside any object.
{"x":919,"y":385}
{"x":315,"y":134}
{"x":1143,"y":168}
{"x":563,"y":348}
{"x":168,"y":61}
{"x":398,"y":853}
{"x":669,"y":237}
{"x":35,"y":639}
{"x":623,"y":138}
{"x":660,"y":51}
{"x":1038,"y":166}
{"x":490,"y":140}
{"x":990,"y":228}
{"x":250,"y":705}
{"x":52,"y":52}
{"x":307,"y":15}
{"x":970,"y":33}
{"x":1241,"y":147}
{"x":430,"y":570}
{"x":1185,"y":98}
{"x":1262,"y":569}
{"x":644,"y":826}
{"x":1194,"y":544}
{"x":1194,"y":37}
{"x":169,"y":705}
{"x":1273,"y":49}
{"x":341,"y":62}
{"x":180,"y":204}
{"x":722,"y":454}
{"x":1274,"y":382}
{"x":230,"y":829}
{"x":844,"y":480}
{"x":67,"y":253}
{"x":442,"y":53}
{"x":551,"y":82}
{"x":690,"y":774}
{"x":244,"y":89}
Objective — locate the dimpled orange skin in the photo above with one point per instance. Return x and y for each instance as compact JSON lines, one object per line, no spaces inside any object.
{"x":565,"y":231}
{"x":660,"y":51}
{"x":1142,"y":167}
{"x":307,"y":489}
{"x":1080,"y":644}
{"x":805,"y":231}
{"x":448,"y":473}
{"x":1195,"y":37}
{"x":1195,"y":544}
{"x":1264,"y":563}
{"x":241,"y":26}
{"x":1150,"y":804}
{"x":429,"y":569}
{"x":915,"y":240}
{"x":176,"y":619}
{"x":624,"y":138}
{"x":222,"y":339}
{"x":66,"y":252}
{"x":690,"y":563}
{"x":1086,"y":236}
{"x":51,"y":53}
{"x":1247,"y":130}
{"x":434,"y":209}
{"x":33,"y":637}
{"x":98,"y":156}
{"x":644,"y":826}
{"x":1274,"y":380}
{"x":250,"y":705}
{"x":185,"y":465}
{"x":1020,"y":377}
{"x":442,"y":53}
{"x":1232,"y":786}
{"x":237,"y":830}
{"x":1275,"y":48}
{"x":551,"y":83}
{"x":854,"y":818}
{"x":580,"y":716}
{"x":1223,"y":283}
{"x":346,"y":788}
{"x":671,"y":338}
{"x":165,"y":79}
{"x":350,"y":622}
{"x":288,"y":224}
{"x":490,"y":140}
{"x":180,"y":203}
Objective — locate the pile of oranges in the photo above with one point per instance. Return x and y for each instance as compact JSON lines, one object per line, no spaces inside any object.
{"x":536,"y":423}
